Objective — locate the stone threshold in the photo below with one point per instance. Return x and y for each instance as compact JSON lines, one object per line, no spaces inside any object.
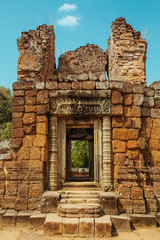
{"x":53,"y":224}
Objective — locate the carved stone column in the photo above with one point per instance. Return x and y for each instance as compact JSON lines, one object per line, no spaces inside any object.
{"x":53,"y":153}
{"x":107,"y":174}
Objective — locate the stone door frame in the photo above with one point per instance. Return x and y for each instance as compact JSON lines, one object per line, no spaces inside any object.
{"x":57,"y":149}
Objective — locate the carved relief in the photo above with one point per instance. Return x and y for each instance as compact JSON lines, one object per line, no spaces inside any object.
{"x":82,"y":106}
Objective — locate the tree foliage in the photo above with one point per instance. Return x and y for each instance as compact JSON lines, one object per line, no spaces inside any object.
{"x":5,"y":113}
{"x":79,"y":153}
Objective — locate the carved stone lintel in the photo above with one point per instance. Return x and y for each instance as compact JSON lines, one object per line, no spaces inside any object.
{"x":80,"y":106}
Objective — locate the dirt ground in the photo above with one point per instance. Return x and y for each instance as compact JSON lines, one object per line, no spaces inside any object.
{"x":26,"y":234}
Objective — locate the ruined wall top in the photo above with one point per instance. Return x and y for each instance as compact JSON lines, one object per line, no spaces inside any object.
{"x":126,"y":53}
{"x":36,"y":59}
{"x":85,"y":59}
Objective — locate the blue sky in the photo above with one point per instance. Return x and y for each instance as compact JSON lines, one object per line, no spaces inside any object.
{"x":77,"y":23}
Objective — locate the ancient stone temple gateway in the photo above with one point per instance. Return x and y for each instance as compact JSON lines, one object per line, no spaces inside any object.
{"x":118,"y":115}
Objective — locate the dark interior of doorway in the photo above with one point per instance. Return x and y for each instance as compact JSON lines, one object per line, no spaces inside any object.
{"x":78,"y":137}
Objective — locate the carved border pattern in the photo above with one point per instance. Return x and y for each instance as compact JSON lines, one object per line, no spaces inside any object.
{"x":80,"y":106}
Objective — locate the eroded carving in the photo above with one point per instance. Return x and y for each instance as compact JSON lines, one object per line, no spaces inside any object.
{"x":68,"y":106}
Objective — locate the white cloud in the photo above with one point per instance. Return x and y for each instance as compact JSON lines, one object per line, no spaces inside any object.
{"x":67,"y":7}
{"x":69,"y":21}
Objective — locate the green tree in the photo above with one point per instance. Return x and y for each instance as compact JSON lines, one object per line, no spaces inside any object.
{"x":5,"y":113}
{"x":79,"y":153}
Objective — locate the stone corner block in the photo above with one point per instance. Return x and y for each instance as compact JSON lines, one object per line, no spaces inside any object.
{"x":86,"y":227}
{"x":70,"y":226}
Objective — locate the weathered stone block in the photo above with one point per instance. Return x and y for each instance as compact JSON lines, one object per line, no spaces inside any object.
{"x":119,"y":159}
{"x":30,"y":109}
{"x":155,"y":158}
{"x":50,"y":202}
{"x":148,"y":102}
{"x":40,"y":85}
{"x":30,"y":129}
{"x":70,"y":226}
{"x":18,"y":101}
{"x":35,"y":153}
{"x":132,"y":144}
{"x":35,"y":190}
{"x":41,"y":119}
{"x":18,"y":86}
{"x":155,"y":113}
{"x":136,"y":111}
{"x":83,"y":77}
{"x":77,"y":85}
{"x":23,"y":219}
{"x":64,"y":86}
{"x":16,"y":142}
{"x":118,"y":146}
{"x":19,"y":93}
{"x":29,"y":85}
{"x":31,"y":93}
{"x":124,"y":192}
{"x":42,"y":109}
{"x":146,"y":112}
{"x":37,"y":221}
{"x":136,"y":123}
{"x":125,"y":134}
{"x":121,"y":223}
{"x":133,"y":154}
{"x":138,"y":88}
{"x":17,"y":109}
{"x":155,"y":134}
{"x":103,"y":227}
{"x":136,"y":193}
{"x":17,"y":123}
{"x":29,"y":118}
{"x":53,"y":224}
{"x":109,"y":202}
{"x":116,"y":98}
{"x":24,"y":153}
{"x":42,"y":97}
{"x":139,"y":206}
{"x":51,"y":85}
{"x":42,"y":128}
{"x":117,"y":110}
{"x":128,"y":99}
{"x":117,"y":85}
{"x":40,"y":141}
{"x":30,"y":100}
{"x":154,"y":144}
{"x":101,"y":85}
{"x":143,"y":220}
{"x":86,"y":227}
{"x":9,"y":219}
{"x":21,"y":204}
{"x":88,"y":85}
{"x":138,"y":99}
{"x":148,"y":91}
{"x":128,"y":122}
{"x":17,"y":133}
{"x":127,"y":87}
{"x":117,"y":122}
{"x":17,"y":115}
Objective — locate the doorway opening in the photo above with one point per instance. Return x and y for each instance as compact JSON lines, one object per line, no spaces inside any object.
{"x":80,"y":154}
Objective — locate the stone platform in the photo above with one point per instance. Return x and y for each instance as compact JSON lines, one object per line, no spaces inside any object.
{"x":52,"y":224}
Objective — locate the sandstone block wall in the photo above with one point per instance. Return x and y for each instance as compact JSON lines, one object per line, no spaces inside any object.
{"x":126,"y":53}
{"x":81,"y":74}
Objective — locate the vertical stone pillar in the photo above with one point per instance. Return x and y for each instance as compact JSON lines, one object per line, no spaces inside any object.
{"x":107,"y":174}
{"x":53,"y":153}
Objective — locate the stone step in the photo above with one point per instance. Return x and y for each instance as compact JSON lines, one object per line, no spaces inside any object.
{"x":79,"y":196}
{"x":79,"y":200}
{"x":80,"y":185}
{"x":121,"y":223}
{"x":82,"y":227}
{"x":80,"y":210}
